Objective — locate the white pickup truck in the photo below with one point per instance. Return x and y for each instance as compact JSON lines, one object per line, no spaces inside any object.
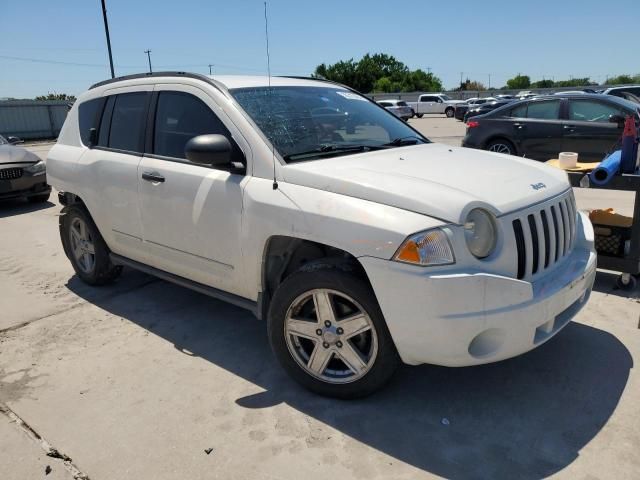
{"x":434,"y":103}
{"x":361,"y":243}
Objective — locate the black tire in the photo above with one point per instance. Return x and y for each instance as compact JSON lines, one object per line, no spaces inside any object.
{"x":413,"y":113}
{"x":499,"y":145}
{"x":103,"y":271}
{"x":449,"y":112}
{"x":626,"y":284}
{"x":39,"y":198}
{"x":340,"y":277}
{"x":419,"y":115}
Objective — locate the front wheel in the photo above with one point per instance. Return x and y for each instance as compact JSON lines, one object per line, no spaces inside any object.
{"x":449,"y":112}
{"x":419,"y":115}
{"x":327,"y":330}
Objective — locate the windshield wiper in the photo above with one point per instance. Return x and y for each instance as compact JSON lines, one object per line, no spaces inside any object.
{"x":329,"y":150}
{"x":408,"y":140}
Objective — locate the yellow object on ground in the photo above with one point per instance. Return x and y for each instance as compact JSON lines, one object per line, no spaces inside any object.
{"x":609,"y":217}
{"x":580,"y":167}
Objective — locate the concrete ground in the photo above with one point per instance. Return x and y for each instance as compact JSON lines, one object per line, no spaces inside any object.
{"x":142,"y":378}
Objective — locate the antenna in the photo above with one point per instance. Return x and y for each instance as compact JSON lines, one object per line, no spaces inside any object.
{"x":273,"y":148}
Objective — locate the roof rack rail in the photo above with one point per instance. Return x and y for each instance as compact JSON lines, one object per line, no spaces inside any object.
{"x":155,"y":74}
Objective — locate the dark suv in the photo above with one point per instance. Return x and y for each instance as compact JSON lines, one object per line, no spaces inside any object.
{"x":541,"y":127}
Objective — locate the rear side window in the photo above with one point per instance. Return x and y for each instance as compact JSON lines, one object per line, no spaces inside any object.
{"x":590,"y":111}
{"x":544,"y":110}
{"x":180,"y":117}
{"x":88,"y":117}
{"x":128,"y":121}
{"x":402,"y":104}
{"x":385,"y":104}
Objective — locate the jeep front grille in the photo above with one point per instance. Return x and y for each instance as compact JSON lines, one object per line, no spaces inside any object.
{"x":544,"y":236}
{"x":10,"y":173}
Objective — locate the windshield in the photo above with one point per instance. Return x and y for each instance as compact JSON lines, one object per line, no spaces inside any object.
{"x":446,"y":98}
{"x":315,"y":122}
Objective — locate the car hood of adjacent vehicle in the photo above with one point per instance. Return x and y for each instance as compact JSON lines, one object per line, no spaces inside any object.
{"x":13,"y":154}
{"x":434,"y":179}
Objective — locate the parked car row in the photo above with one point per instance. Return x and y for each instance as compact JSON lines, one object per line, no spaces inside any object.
{"x":540,"y":127}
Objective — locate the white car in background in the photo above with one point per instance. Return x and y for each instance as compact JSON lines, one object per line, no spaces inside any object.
{"x":361,"y":243}
{"x":398,"y":107}
{"x":434,"y":103}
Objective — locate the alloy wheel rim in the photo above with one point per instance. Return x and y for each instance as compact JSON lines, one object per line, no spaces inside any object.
{"x":330,"y":336}
{"x":82,"y":245}
{"x":500,"y":148}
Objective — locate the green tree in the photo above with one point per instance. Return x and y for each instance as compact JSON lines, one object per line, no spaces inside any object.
{"x":471,"y":85}
{"x":519,"y":82}
{"x":574,"y":82}
{"x":379,"y":72}
{"x":543,"y":84}
{"x":622,"y":80}
{"x":57,"y":96}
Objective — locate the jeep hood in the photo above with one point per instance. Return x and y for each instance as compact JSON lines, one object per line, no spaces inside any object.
{"x":434,"y":179}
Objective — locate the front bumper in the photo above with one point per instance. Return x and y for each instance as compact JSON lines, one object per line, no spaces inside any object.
{"x":460,"y":319}
{"x":25,"y":186}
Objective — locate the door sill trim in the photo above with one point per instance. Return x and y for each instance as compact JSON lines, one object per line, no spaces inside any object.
{"x":236,"y":300}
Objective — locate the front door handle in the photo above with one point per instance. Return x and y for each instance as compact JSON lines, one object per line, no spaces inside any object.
{"x":569,"y":127}
{"x":519,"y":126}
{"x":152,"y":177}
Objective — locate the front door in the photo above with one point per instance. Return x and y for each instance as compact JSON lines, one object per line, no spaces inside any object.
{"x":588,"y":130}
{"x":191,"y":214}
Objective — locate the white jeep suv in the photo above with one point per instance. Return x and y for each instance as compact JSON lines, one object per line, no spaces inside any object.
{"x":359,"y":241}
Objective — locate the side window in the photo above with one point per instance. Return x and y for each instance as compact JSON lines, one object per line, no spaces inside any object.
{"x":180,"y":117}
{"x":519,"y":112}
{"x":385,"y":104}
{"x":128,"y":121}
{"x":544,"y":110}
{"x":88,"y":117}
{"x":103,"y":135}
{"x":590,"y":111}
{"x":426,"y":99}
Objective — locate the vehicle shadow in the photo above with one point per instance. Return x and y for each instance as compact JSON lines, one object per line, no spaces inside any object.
{"x":524,"y":418}
{"x":14,"y":207}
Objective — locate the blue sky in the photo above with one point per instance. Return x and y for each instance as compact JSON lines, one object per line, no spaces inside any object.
{"x":541,"y":39}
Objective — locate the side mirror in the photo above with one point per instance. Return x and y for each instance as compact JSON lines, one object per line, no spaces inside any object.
{"x":14,"y":140}
{"x":619,"y":119}
{"x":214,"y":150}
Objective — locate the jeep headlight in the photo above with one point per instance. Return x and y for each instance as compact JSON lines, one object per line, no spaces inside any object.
{"x":480,"y":233}
{"x":426,"y":248}
{"x":37,"y":168}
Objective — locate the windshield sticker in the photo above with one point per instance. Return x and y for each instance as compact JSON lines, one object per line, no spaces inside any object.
{"x":352,"y":96}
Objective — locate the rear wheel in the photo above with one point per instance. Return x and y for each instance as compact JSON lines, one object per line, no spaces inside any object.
{"x":419,"y":115}
{"x":85,"y":247}
{"x":327,"y":331}
{"x":449,"y":112}
{"x":501,"y":145}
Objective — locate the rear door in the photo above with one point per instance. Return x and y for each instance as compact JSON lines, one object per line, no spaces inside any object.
{"x":537,"y":129}
{"x":110,"y":169}
{"x":191,"y":213}
{"x":588,"y":131}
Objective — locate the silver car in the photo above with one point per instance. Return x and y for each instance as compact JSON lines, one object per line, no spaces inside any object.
{"x":398,"y":107}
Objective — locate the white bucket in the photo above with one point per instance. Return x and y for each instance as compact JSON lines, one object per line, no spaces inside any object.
{"x":568,"y":159}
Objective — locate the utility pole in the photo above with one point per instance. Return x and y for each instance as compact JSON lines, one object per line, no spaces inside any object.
{"x":148,"y":52}
{"x":461,"y":74}
{"x":429,"y":70}
{"x":106,"y":31}
{"x":489,"y":82}
{"x":210,"y":67}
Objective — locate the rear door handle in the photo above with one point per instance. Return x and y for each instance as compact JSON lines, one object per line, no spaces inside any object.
{"x":519,"y":126}
{"x":152,"y":177}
